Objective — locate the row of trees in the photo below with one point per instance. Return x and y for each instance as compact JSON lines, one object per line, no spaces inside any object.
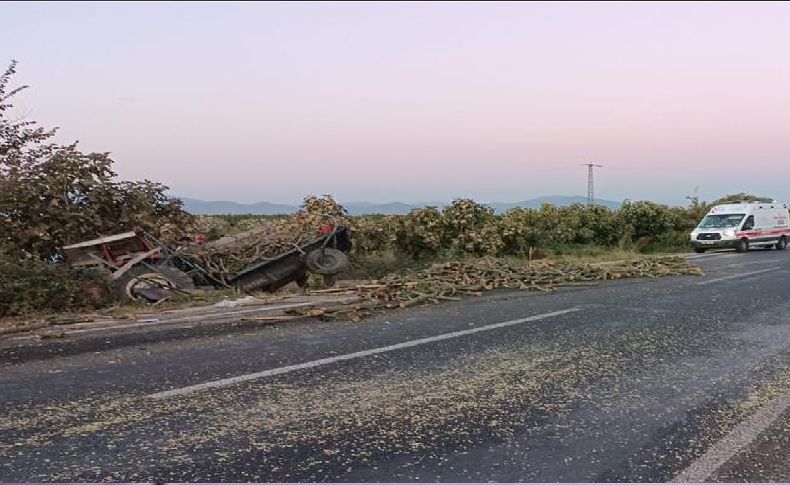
{"x":467,"y":227}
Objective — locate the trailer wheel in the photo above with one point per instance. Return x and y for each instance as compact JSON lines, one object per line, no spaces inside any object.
{"x":742,"y":246}
{"x":782,"y":244}
{"x":143,"y":277}
{"x":327,"y":261}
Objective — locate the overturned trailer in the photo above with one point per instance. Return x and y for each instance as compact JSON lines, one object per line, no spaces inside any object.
{"x":143,"y":267}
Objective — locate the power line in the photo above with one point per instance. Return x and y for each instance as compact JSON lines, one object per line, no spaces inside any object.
{"x":590,"y":187}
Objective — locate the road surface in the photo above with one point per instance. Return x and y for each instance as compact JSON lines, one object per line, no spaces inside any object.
{"x":683,"y":378}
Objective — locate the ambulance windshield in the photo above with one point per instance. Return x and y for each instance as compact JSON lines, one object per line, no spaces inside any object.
{"x":721,"y":220}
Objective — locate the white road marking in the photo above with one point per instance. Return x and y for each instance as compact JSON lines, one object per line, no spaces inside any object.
{"x":712,"y":255}
{"x":355,"y":355}
{"x":739,"y":275}
{"x":737,"y":439}
{"x":750,"y":263}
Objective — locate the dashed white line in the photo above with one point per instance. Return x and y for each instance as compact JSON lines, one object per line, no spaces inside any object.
{"x":355,"y":355}
{"x":737,"y":439}
{"x":739,"y":275}
{"x":712,"y":255}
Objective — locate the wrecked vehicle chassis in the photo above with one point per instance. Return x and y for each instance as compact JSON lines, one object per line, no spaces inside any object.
{"x":143,"y":267}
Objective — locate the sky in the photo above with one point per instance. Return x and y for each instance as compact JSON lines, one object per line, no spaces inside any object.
{"x":416,"y":101}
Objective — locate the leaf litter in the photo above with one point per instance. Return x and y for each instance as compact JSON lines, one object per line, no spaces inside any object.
{"x":335,"y":419}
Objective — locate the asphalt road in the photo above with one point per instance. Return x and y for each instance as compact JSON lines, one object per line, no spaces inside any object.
{"x":632,"y":380}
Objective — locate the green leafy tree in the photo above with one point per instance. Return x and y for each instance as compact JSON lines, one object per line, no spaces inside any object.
{"x":52,"y":195}
{"x":740,"y":197}
{"x":519,"y":231}
{"x":420,"y":232}
{"x":468,"y":228}
{"x":647,"y":219}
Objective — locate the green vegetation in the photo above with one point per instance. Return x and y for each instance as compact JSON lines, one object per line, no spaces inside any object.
{"x":467,"y":229}
{"x":37,"y":286}
{"x":52,"y":195}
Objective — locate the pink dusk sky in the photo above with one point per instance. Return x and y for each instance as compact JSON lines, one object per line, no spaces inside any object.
{"x":416,"y":101}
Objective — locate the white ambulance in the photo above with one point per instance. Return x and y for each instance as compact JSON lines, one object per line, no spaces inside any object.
{"x":743,"y":226}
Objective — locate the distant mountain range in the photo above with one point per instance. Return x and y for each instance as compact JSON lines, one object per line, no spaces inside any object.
{"x":205,"y":207}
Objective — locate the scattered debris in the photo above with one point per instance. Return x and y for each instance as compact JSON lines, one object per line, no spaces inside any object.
{"x":270,"y":318}
{"x":247,"y":300}
{"x":47,"y":336}
{"x":450,"y":281}
{"x":68,"y":319}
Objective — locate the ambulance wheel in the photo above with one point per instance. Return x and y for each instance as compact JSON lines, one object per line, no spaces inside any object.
{"x":782,"y":243}
{"x":699,"y":250}
{"x":742,"y":246}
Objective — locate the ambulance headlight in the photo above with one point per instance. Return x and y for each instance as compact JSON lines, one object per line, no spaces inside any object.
{"x":728,"y":233}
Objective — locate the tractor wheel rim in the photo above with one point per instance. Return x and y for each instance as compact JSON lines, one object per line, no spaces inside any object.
{"x":145,"y":281}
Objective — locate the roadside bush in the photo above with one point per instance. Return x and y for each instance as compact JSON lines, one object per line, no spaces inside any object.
{"x":558,"y":224}
{"x":373,"y":234}
{"x":687,"y":218}
{"x":469,"y":227}
{"x":647,"y":219}
{"x":32,"y":286}
{"x":599,"y":225}
{"x":668,"y":242}
{"x":52,"y":195}
{"x":519,"y":231}
{"x":419,"y":233}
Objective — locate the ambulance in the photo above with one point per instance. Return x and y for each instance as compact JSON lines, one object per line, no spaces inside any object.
{"x":743,"y":226}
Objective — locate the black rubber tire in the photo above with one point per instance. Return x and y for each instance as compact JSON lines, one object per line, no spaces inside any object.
{"x":742,"y":246}
{"x":782,"y":244}
{"x":168,"y":275}
{"x":326,"y":261}
{"x":699,"y":250}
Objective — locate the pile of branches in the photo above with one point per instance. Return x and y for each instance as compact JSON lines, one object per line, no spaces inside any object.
{"x":453,"y":280}
{"x":229,"y":255}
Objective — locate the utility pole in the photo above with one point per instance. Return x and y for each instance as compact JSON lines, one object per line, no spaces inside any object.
{"x":590,"y":190}
{"x":694,"y":199}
